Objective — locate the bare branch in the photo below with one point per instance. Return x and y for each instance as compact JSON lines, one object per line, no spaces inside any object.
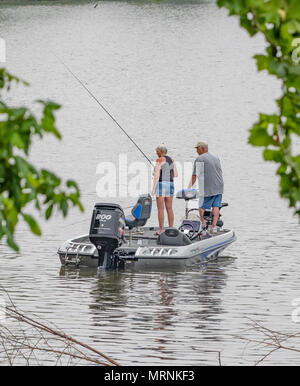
{"x":29,"y":339}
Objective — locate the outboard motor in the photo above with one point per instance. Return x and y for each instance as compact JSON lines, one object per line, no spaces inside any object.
{"x":106,"y":232}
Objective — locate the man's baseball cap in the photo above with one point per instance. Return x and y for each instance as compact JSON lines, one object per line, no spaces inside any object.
{"x":201,"y":144}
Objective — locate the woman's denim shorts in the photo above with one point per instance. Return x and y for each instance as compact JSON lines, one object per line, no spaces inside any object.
{"x":165,"y":188}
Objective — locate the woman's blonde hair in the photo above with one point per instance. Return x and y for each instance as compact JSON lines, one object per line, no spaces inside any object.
{"x":162,"y":147}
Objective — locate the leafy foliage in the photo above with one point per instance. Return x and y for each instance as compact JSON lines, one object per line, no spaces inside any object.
{"x":21,"y":183}
{"x":279,"y":22}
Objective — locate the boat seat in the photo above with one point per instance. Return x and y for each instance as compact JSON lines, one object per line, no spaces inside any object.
{"x":174,"y":237}
{"x":140,"y":213}
{"x":188,"y":194}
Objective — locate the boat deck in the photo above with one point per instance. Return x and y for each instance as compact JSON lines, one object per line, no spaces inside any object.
{"x":147,"y":233}
{"x":142,"y":236}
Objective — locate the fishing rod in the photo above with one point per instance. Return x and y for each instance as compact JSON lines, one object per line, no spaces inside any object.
{"x":105,"y":109}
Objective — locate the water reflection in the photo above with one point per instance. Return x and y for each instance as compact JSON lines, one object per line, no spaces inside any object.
{"x":158,"y":312}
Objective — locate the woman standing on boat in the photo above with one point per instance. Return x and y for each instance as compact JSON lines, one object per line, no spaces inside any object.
{"x":163,"y":186}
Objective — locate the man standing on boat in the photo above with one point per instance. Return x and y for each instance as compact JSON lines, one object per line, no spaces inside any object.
{"x":207,"y":167}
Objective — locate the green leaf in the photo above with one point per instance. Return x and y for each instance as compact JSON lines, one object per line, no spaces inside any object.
{"x":10,"y":241}
{"x":64,"y":207}
{"x":17,"y":140}
{"x":32,"y":224}
{"x":262,"y":62}
{"x":72,"y":183}
{"x":294,"y":9}
{"x":49,"y":211}
{"x":260,"y":137}
{"x":278,"y":68}
{"x":272,"y":155}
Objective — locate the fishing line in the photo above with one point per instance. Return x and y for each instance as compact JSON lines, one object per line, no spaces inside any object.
{"x":104,"y":108}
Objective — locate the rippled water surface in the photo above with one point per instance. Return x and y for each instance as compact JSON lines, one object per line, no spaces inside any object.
{"x":173,"y":74}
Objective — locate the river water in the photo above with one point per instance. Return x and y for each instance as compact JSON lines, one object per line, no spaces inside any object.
{"x":172,"y":73}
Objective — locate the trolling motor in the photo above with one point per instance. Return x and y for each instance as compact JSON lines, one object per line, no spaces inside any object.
{"x":107,"y":232}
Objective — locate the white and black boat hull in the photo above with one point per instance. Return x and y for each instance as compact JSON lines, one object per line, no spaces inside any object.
{"x":79,"y":252}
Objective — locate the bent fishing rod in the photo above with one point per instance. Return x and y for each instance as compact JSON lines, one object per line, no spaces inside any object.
{"x":104,"y":109}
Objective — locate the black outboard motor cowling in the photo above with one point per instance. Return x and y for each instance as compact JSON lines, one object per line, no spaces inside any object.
{"x":107,"y":231}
